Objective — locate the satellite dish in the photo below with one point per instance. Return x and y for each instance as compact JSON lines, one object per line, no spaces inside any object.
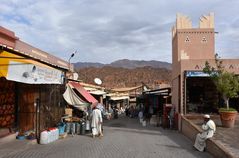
{"x":75,"y":76}
{"x":98,"y":81}
{"x":145,"y":88}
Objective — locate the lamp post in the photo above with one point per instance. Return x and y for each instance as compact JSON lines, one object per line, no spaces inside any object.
{"x":72,"y":55}
{"x":69,"y":62}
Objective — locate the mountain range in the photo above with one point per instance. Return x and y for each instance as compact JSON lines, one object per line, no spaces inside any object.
{"x":116,"y":77}
{"x":125,"y":73}
{"x":125,"y":63}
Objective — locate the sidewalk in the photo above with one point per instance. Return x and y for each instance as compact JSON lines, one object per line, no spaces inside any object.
{"x":10,"y":145}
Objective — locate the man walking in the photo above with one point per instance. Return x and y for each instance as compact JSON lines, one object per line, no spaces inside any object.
{"x":96,"y":122}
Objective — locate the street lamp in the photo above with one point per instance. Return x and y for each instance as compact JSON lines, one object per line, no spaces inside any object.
{"x":72,"y":55}
{"x":69,"y":73}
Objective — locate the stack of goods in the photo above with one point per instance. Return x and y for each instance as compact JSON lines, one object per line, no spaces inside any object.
{"x":7,"y":104}
{"x":50,"y":135}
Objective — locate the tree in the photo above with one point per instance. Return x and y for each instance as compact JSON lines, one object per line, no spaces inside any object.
{"x":227,"y":83}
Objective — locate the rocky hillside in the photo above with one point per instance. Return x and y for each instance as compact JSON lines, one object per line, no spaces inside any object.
{"x":125,"y":63}
{"x":116,"y":77}
{"x":131,"y":64}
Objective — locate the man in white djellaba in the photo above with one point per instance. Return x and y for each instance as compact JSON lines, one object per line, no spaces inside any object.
{"x":96,"y":122}
{"x":209,"y":129}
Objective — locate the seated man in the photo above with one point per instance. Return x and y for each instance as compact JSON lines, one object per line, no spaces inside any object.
{"x":209,"y":129}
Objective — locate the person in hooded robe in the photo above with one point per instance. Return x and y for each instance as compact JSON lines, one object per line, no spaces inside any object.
{"x":96,"y":122}
{"x":209,"y":129}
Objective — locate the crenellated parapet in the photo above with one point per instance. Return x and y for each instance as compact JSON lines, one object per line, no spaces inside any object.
{"x":182,"y":22}
{"x":207,"y":21}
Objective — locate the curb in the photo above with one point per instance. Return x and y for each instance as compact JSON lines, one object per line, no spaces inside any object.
{"x":218,"y":145}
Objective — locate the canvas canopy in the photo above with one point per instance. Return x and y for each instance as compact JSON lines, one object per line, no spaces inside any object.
{"x":73,"y":99}
{"x":86,"y":95}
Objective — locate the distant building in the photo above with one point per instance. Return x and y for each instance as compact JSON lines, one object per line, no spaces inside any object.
{"x":192,"y":90}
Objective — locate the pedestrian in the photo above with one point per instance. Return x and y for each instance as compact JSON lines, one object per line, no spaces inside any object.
{"x":111,"y":112}
{"x":209,"y":129}
{"x":127,"y":111}
{"x":141,"y":116}
{"x":96,"y":122}
{"x":131,"y":112}
{"x":115,"y":112}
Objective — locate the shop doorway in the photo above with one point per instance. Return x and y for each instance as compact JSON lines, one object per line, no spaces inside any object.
{"x":201,"y":95}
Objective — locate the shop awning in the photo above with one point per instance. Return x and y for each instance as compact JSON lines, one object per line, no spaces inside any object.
{"x":119,"y":98}
{"x":162,"y":91}
{"x":98,"y":92}
{"x":94,"y":91}
{"x":73,"y":99}
{"x":87,"y":96}
{"x":126,"y":89}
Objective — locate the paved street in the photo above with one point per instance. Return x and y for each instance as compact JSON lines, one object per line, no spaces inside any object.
{"x":123,"y":138}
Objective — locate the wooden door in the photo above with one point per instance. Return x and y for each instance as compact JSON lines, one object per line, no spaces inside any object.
{"x":27,"y":95}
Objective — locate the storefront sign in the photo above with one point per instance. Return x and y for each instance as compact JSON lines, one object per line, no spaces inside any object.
{"x":33,"y":74}
{"x":196,"y":74}
{"x":16,"y":68}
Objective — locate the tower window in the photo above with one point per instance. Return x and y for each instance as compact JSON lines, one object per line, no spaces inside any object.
{"x":187,"y":39}
{"x":204,"y":40}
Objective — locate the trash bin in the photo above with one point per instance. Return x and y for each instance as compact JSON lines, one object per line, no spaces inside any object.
{"x":78,"y":128}
{"x":82,"y":128}
{"x":144,"y":123}
{"x":68,"y":127}
{"x":43,"y":137}
{"x":73,"y":128}
{"x":87,"y":125}
{"x":61,"y":127}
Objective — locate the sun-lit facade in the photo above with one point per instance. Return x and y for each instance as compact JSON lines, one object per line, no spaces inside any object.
{"x":192,"y":90}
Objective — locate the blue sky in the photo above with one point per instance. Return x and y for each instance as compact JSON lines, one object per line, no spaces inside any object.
{"x":108,"y":30}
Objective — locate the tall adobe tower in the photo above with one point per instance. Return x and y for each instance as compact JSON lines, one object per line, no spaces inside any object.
{"x":192,"y":89}
{"x":191,"y":47}
{"x":193,"y":43}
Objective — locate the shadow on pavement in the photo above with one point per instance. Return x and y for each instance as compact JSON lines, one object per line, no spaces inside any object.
{"x":132,"y":125}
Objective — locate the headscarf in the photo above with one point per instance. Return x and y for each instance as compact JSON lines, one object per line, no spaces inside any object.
{"x":100,"y":107}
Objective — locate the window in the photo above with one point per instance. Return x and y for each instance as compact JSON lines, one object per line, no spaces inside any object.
{"x":187,"y":39}
{"x":204,"y":40}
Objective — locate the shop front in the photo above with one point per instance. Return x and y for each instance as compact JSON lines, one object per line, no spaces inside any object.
{"x":31,"y":84}
{"x":30,"y":94}
{"x":156,"y":104}
{"x":200,"y":93}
